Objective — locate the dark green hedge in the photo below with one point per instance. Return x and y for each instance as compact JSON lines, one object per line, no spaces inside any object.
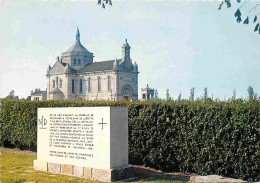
{"x":208,"y":138}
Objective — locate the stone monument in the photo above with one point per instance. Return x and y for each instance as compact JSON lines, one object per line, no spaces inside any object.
{"x":90,"y":142}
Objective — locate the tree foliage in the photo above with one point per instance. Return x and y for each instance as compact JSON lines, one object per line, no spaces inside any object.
{"x":156,"y":95}
{"x":179,"y":97}
{"x":195,"y":136}
{"x":238,"y":13}
{"x":192,"y":93}
{"x":11,"y":95}
{"x":206,"y":93}
{"x":103,"y":3}
{"x":251,"y":94}
{"x":167,"y":94}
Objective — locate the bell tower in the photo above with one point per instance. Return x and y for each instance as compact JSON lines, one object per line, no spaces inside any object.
{"x":126,"y":51}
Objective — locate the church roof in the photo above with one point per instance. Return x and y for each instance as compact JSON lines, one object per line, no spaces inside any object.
{"x":98,"y":66}
{"x":56,"y":90}
{"x":71,"y":69}
{"x":77,"y":47}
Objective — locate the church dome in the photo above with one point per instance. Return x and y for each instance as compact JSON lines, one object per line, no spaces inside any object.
{"x":77,"y":47}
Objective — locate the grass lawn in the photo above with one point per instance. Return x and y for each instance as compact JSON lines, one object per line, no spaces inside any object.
{"x":18,"y":167}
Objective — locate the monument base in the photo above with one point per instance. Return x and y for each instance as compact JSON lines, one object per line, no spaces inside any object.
{"x":110,"y":175}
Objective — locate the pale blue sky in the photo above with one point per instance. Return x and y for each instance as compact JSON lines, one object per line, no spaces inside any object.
{"x":177,"y":44}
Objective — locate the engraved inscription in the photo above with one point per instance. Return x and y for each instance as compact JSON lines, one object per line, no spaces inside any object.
{"x":69,"y":132}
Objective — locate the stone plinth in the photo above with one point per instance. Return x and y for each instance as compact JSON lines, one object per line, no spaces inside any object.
{"x":86,"y":172}
{"x":90,"y":142}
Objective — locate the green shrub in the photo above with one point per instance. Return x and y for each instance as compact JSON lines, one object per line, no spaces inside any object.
{"x":208,"y":138}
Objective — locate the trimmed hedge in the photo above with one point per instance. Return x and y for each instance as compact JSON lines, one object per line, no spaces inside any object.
{"x":207,"y":138}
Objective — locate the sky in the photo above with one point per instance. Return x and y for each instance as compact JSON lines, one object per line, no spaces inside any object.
{"x":176,"y":44}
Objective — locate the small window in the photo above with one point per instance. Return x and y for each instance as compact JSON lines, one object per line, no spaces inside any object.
{"x":57,"y":80}
{"x":81,"y":86}
{"x":75,"y":62}
{"x":108,"y":83}
{"x":99,"y":84}
{"x":79,"y":62}
{"x":89,"y":84}
{"x":60,"y":83}
{"x":72,"y":86}
{"x":53,"y":83}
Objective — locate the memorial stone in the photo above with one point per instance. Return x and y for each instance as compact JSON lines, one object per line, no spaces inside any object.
{"x":90,"y":142}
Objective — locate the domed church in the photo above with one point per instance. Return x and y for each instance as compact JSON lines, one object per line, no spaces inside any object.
{"x":75,"y":75}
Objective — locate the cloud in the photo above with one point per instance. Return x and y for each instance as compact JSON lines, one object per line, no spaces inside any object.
{"x":132,"y":16}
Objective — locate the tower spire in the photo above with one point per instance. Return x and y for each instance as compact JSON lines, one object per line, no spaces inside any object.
{"x":78,"y":35}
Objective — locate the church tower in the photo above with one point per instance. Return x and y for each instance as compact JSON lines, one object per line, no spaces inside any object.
{"x":77,"y":56}
{"x":126,"y":51}
{"x":126,"y":60}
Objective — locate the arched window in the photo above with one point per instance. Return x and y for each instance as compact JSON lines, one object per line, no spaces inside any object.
{"x":99,"y":84}
{"x":57,"y":80}
{"x":89,"y":84}
{"x":53,"y":83}
{"x":60,"y":83}
{"x":75,"y":62}
{"x":79,"y":62}
{"x":72,"y":86}
{"x":108,"y":83}
{"x":80,"y":85}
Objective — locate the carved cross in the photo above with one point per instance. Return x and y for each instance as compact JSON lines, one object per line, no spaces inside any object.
{"x":102,"y":123}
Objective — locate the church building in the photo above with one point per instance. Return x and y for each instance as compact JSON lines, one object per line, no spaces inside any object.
{"x":75,"y":75}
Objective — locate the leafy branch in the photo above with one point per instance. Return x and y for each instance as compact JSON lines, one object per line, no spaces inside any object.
{"x":103,"y":3}
{"x":238,"y":13}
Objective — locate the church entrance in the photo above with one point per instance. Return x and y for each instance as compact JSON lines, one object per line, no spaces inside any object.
{"x":127,"y":92}
{"x":126,"y":97}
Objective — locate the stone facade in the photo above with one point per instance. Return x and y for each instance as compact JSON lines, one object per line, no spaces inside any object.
{"x":75,"y":75}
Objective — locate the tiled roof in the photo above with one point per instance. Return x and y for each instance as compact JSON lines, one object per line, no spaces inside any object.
{"x":72,"y":70}
{"x":77,"y":47}
{"x":98,"y":66}
{"x":56,"y":90}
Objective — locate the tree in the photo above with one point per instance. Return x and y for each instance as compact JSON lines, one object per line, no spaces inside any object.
{"x":156,"y":96}
{"x":238,"y":13}
{"x":179,"y":97}
{"x":103,"y":3}
{"x":12,"y":96}
{"x":205,"y":94}
{"x":167,"y":94}
{"x":251,"y":94}
{"x":234,"y":95}
{"x":192,"y":93}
